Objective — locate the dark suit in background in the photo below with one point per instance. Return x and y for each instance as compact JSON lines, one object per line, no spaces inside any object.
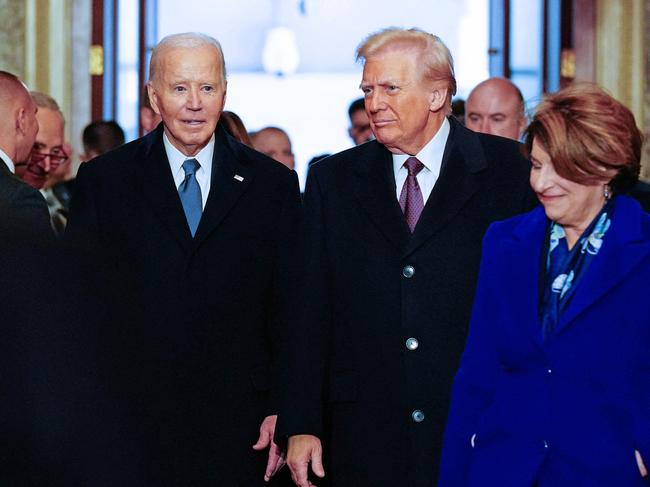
{"x":212,"y":307}
{"x":22,"y":208}
{"x":378,"y":397}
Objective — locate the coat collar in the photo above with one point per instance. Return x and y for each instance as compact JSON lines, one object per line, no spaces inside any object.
{"x":156,"y":182}
{"x":462,"y":160}
{"x":627,"y":242}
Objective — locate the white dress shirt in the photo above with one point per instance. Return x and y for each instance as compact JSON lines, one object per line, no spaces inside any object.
{"x":8,"y":161}
{"x":203,"y":174}
{"x":430,"y":156}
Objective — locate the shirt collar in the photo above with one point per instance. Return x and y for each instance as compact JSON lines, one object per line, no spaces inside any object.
{"x":8,"y":161}
{"x":431,"y":154}
{"x":176,"y":157}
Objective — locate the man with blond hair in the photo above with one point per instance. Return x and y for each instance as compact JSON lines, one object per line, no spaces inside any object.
{"x":203,"y":227}
{"x":496,"y":106}
{"x":393,"y":238}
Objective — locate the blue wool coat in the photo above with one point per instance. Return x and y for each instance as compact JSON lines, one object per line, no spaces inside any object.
{"x":570,"y":411}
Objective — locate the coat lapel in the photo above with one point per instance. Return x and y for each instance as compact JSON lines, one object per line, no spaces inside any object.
{"x":624,"y":246}
{"x":523,"y":252}
{"x":231,"y":176}
{"x":154,"y":179}
{"x":375,"y":192}
{"x":463,"y":158}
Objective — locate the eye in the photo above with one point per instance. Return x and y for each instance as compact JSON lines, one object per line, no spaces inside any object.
{"x":392,"y":88}
{"x":366,"y":90}
{"x":474,"y":118}
{"x":499,"y":118}
{"x":208,"y":88}
{"x":179,"y":89}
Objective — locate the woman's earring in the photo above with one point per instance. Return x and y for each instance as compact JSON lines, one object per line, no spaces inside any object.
{"x":606,"y":192}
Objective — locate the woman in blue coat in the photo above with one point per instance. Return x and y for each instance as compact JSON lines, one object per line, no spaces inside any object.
{"x":554,"y":384}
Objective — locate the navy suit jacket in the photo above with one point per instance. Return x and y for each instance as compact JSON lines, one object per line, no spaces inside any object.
{"x":569,"y":411}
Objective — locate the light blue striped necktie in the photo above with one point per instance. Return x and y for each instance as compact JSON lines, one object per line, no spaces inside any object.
{"x":190,"y":193}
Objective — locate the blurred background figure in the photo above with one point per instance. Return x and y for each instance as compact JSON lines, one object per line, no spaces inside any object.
{"x":235,"y":127}
{"x":496,"y":106}
{"x":101,"y":137}
{"x":275,"y":143}
{"x":148,"y":118}
{"x":48,"y":154}
{"x":49,"y":151}
{"x":97,"y":138}
{"x":538,"y":405}
{"x":458,"y":110}
{"x":359,"y":130}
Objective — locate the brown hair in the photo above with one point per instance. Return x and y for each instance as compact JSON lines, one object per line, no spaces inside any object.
{"x":588,"y":134}
{"x":437,"y":63}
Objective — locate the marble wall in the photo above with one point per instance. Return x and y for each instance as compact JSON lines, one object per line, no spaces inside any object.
{"x":12,"y":37}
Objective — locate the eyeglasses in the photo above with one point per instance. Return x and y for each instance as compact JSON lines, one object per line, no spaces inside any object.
{"x":56,"y":158}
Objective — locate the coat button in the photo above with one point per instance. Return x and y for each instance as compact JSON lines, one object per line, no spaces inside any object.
{"x":408,"y":271}
{"x":545,"y":445}
{"x":412,"y":343}
{"x":418,"y":416}
{"x":549,"y":371}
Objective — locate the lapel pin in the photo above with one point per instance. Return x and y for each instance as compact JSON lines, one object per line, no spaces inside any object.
{"x":239,"y":178}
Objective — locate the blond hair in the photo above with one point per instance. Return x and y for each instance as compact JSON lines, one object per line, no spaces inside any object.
{"x":435,"y":58}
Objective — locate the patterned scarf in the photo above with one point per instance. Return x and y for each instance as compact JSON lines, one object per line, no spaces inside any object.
{"x":565,"y":268}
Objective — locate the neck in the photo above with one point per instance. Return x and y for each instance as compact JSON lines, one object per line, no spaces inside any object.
{"x":426,"y":135}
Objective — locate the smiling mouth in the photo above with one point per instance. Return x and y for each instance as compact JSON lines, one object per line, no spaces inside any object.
{"x":548,"y":197}
{"x":193,"y":122}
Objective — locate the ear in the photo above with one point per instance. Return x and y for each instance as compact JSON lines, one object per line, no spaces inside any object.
{"x":225,"y":93}
{"x":153,"y":97}
{"x":21,"y":121}
{"x":438,"y":98}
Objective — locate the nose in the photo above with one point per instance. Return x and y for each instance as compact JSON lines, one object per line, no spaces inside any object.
{"x":374,"y":102}
{"x":484,"y":128}
{"x":540,"y":179}
{"x":46,"y":164}
{"x":193,"y":99}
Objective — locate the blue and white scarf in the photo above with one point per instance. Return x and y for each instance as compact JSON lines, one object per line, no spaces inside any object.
{"x":565,"y":268}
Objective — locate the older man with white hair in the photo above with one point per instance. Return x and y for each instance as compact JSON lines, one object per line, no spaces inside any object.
{"x":204,"y":227}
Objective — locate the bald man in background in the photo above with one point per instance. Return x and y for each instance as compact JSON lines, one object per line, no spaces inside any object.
{"x":496,"y":106}
{"x":275,"y":143}
{"x":21,"y":207}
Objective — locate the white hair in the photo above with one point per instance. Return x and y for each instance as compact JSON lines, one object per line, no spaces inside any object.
{"x":184,"y":40}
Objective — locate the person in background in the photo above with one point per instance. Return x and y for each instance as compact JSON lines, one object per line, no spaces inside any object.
{"x":149,"y":119}
{"x":48,"y":153}
{"x":496,"y":106}
{"x":458,"y":110}
{"x":552,"y":390}
{"x":392,"y":241}
{"x":100,"y":137}
{"x":233,"y":124}
{"x":22,"y":208}
{"x":275,"y":143}
{"x":205,"y":229}
{"x":359,"y":130}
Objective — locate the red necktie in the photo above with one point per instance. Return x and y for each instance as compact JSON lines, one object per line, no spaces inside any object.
{"x":410,"y":199}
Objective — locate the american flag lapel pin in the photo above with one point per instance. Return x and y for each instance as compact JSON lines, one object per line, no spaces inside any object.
{"x":238,"y":178}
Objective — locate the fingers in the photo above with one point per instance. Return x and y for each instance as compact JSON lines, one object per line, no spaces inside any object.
{"x":317,"y":462}
{"x":639,"y":462}
{"x":299,"y":474}
{"x":263,"y":441}
{"x":275,"y":463}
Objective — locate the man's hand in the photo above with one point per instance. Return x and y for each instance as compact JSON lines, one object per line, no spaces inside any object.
{"x":302,"y":450}
{"x":276,"y":460}
{"x":639,"y":462}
